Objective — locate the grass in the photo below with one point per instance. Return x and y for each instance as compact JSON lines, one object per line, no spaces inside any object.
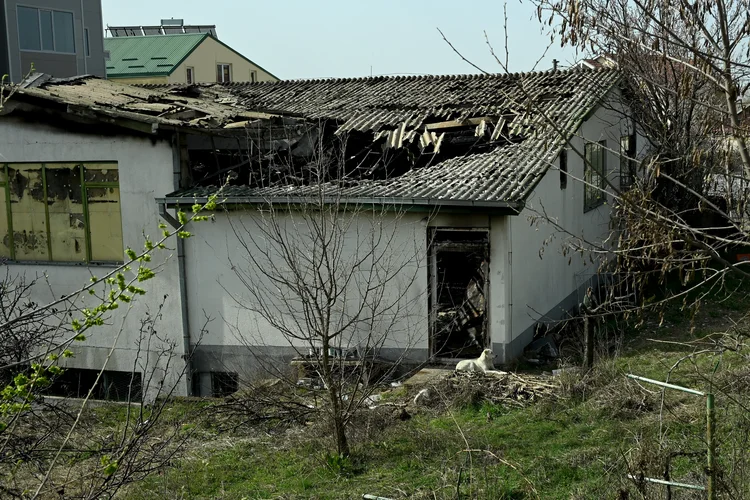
{"x":580,"y":445}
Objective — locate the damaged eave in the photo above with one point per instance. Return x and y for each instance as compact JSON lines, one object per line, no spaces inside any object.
{"x":393,"y":204}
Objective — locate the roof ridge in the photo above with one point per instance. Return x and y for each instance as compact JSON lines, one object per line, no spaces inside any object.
{"x":445,"y":76}
{"x":425,"y":77}
{"x":140,"y":37}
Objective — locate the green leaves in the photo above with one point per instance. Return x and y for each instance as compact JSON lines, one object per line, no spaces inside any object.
{"x":110,"y":466}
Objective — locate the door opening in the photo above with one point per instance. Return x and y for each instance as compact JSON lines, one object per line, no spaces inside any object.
{"x":459,"y":264}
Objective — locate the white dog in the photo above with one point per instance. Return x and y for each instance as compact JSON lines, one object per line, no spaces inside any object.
{"x":483,"y":363}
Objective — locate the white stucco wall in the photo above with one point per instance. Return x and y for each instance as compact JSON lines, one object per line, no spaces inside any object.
{"x":145,"y":172}
{"x":215,"y":290}
{"x":541,"y":284}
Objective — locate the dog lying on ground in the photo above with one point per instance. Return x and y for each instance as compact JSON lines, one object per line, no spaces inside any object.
{"x":484,"y":363}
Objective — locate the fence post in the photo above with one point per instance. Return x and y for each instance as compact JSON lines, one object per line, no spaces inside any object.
{"x":710,"y":422}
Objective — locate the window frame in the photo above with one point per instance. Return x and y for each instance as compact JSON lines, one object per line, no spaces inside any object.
{"x":84,"y":185}
{"x":190,"y":74}
{"x":594,"y":196}
{"x":221,"y":72}
{"x":39,"y":25}
{"x":224,"y":384}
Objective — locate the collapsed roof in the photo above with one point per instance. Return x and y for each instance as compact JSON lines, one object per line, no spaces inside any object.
{"x":473,"y":140}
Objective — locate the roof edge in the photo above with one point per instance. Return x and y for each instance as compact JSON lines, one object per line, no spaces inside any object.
{"x":245,"y":58}
{"x":512,"y":207}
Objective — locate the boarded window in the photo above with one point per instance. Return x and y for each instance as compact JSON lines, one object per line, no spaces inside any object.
{"x":594,"y":175}
{"x":65,"y":206}
{"x":28,"y":211}
{"x":64,"y":212}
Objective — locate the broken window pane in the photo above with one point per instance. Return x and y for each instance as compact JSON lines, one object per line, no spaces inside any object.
{"x":101,"y":172}
{"x":66,"y":219}
{"x":459,"y":266}
{"x":28,"y":211}
{"x":105,"y":224}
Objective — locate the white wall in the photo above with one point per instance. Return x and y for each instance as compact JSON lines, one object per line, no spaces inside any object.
{"x":145,"y":172}
{"x":215,"y":290}
{"x":540,"y":285}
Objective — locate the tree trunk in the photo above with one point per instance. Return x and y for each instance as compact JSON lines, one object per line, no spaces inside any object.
{"x":337,"y":417}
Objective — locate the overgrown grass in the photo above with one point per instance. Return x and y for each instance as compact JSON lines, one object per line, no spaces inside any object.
{"x":580,"y":445}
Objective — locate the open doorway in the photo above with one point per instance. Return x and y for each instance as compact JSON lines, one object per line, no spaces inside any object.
{"x":459,"y":263}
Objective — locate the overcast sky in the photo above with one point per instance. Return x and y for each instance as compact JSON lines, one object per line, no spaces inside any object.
{"x":345,"y":38}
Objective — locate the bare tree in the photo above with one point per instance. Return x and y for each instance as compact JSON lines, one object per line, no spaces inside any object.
{"x":53,"y":446}
{"x":684,"y":69}
{"x":335,"y":279}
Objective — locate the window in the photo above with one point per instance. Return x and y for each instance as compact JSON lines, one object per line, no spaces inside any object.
{"x":112,"y":386}
{"x":86,"y":46}
{"x":253,"y":76}
{"x":627,"y":161}
{"x":223,"y":73}
{"x":223,"y":384}
{"x":46,"y":30}
{"x":62,"y":212}
{"x":594,"y":174}
{"x":29,"y":34}
{"x":190,"y":74}
{"x":563,"y":169}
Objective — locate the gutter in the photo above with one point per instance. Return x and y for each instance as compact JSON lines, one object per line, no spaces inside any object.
{"x":186,"y":344}
{"x":186,"y":347}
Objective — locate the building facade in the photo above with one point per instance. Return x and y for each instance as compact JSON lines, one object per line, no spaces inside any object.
{"x":179,"y":58}
{"x":475,"y":264}
{"x":60,"y":37}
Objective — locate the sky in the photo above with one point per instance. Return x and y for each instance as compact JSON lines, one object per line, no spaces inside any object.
{"x":350,"y":38}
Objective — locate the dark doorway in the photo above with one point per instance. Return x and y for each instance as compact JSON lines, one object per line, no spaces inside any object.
{"x":459,"y":262}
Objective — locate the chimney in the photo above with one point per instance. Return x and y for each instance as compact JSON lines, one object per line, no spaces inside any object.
{"x":554,"y":64}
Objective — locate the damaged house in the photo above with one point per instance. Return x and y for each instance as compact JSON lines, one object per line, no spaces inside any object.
{"x":473,"y":163}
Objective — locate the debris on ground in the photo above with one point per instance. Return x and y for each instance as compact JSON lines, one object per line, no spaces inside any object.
{"x":467,"y":388}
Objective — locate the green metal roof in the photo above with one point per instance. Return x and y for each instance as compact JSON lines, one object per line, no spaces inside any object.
{"x":156,"y":55}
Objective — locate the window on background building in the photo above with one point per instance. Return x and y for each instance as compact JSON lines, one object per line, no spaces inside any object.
{"x":61,"y":212}
{"x":86,"y":46}
{"x":253,"y":76}
{"x":627,"y":161}
{"x":594,"y":174}
{"x":190,"y":74}
{"x":223,"y":73}
{"x":47,"y":30}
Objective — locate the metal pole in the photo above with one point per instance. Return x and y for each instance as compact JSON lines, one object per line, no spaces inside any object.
{"x":710,"y":422}
{"x":669,"y":483}
{"x":664,"y":384}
